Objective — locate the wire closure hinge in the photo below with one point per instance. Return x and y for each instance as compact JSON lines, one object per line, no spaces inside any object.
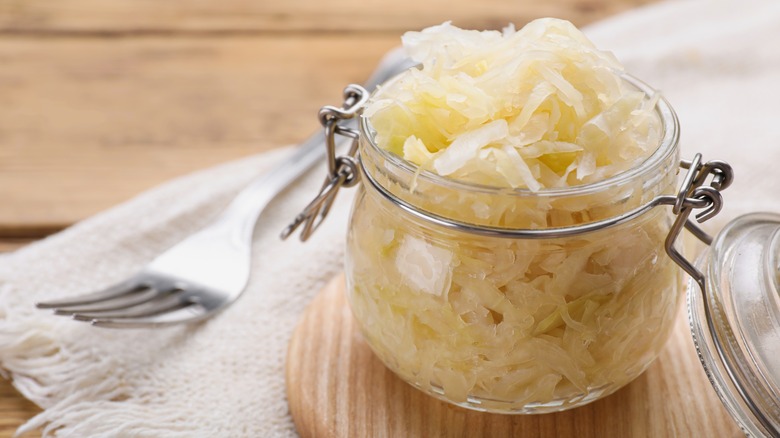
{"x":700,"y":189}
{"x":342,"y":169}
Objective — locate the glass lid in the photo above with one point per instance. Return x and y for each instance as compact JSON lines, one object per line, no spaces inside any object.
{"x":736,"y":322}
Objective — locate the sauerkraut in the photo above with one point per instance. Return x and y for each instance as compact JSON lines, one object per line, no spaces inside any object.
{"x":540,"y":107}
{"x":490,"y":132}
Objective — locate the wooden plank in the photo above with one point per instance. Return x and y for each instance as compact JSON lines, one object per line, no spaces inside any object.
{"x":337,"y":387}
{"x":241,"y":16}
{"x":15,"y":410}
{"x":87,"y":123}
{"x":8,"y":245}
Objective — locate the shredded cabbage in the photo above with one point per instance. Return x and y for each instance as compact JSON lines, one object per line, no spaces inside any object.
{"x":542,"y":105}
{"x":522,"y":326}
{"x":499,"y":324}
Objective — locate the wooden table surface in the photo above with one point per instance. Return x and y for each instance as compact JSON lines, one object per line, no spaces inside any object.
{"x":100,"y":100}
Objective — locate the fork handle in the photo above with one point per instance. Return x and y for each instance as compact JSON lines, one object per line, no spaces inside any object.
{"x":240,"y":216}
{"x":238,"y":220}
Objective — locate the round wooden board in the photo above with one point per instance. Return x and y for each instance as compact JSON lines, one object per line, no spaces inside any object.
{"x":337,"y":388}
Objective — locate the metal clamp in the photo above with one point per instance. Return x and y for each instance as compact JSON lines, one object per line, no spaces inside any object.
{"x":342,"y":169}
{"x":694,"y":194}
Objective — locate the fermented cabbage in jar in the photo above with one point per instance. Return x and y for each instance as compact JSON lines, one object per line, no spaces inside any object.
{"x":501,"y":129}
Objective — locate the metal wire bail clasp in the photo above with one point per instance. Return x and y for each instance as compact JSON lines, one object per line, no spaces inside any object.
{"x":342,"y":169}
{"x":695,"y":193}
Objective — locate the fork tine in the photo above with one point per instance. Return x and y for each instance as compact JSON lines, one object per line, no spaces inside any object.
{"x":140,"y":296}
{"x":190,"y":313}
{"x":169,"y":303}
{"x":132,"y":284}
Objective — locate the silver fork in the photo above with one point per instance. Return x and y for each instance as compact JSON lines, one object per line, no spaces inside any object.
{"x":209,"y":269}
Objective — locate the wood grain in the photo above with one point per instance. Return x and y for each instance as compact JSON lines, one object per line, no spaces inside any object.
{"x":8,"y":245}
{"x":121,"y":17}
{"x":15,"y":410}
{"x":337,"y":388}
{"x":85,"y":124}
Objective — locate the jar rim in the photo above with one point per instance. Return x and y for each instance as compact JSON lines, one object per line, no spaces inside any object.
{"x":670,"y":127}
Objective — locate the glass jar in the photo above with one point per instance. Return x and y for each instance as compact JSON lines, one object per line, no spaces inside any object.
{"x":528,"y":302}
{"x":472,"y":294}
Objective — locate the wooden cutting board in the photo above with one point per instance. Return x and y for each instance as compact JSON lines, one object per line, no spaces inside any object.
{"x":337,"y":388}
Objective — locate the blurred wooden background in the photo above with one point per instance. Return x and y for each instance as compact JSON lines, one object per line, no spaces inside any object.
{"x":100,"y":100}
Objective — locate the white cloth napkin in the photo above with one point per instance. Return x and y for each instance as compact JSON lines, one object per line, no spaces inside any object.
{"x":221,"y":378}
{"x":718,"y":63}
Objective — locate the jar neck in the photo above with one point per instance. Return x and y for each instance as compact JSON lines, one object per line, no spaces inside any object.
{"x":523,"y":208}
